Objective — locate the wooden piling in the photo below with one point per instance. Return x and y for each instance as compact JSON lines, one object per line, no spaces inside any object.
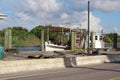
{"x":8,"y":39}
{"x":47,"y":28}
{"x":73,"y":40}
{"x":42,"y":41}
{"x":92,"y":43}
{"x":115,"y":40}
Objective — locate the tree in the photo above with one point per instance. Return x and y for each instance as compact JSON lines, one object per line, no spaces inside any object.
{"x":19,"y":31}
{"x":110,"y":37}
{"x":1,"y":37}
{"x":22,"y":37}
{"x":37,"y":31}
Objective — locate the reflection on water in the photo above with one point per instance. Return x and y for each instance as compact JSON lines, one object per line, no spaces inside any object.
{"x":28,"y":48}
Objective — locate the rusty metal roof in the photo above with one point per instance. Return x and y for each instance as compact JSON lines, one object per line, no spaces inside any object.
{"x":58,"y":29}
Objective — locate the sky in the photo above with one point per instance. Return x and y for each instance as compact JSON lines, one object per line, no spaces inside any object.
{"x":104,"y":14}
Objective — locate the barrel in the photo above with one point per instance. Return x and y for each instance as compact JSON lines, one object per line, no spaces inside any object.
{"x":1,"y":52}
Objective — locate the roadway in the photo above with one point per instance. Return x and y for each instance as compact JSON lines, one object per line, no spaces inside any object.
{"x":107,"y":71}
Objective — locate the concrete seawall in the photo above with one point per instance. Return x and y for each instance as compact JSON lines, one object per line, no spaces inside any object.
{"x":41,"y":64}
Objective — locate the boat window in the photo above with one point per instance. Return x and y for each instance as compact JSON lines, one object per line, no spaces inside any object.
{"x":100,"y":37}
{"x":95,"y":37}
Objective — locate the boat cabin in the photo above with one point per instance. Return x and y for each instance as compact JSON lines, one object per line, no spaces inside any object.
{"x":98,"y":40}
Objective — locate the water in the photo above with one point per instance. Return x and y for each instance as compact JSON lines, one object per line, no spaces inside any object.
{"x":110,"y":46}
{"x":28,"y":48}
{"x":35,"y":48}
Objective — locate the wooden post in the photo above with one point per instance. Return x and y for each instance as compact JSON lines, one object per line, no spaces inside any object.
{"x":115,"y":40}
{"x":42,"y":40}
{"x":5,"y":39}
{"x":68,"y":37}
{"x":47,"y":33}
{"x":73,"y":40}
{"x":92,"y":43}
{"x":8,"y":39}
{"x":62,"y":36}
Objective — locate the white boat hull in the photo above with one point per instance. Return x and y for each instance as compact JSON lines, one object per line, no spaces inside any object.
{"x":53,"y":47}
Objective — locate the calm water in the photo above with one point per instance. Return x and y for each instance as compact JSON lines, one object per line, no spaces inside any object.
{"x":108,"y":46}
{"x":28,"y":48}
{"x":39,"y":49}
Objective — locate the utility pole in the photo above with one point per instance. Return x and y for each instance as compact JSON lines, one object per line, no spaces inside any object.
{"x":88,"y":27}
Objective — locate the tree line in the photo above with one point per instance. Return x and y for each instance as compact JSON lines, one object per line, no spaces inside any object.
{"x":109,"y":38}
{"x":23,"y":37}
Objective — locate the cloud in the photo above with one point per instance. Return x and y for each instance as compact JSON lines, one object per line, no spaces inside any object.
{"x":29,"y":13}
{"x":94,"y":22}
{"x":64,"y":16}
{"x":23,"y":16}
{"x":41,"y":8}
{"x":116,"y":30}
{"x":96,"y":5}
{"x":106,"y":5}
{"x":83,"y":22}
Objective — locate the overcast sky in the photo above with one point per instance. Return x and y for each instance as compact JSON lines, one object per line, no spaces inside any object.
{"x":104,"y":14}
